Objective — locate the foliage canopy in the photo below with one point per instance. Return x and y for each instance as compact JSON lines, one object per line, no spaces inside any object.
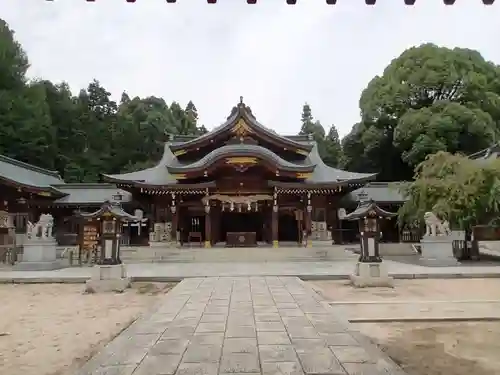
{"x":455,"y":187}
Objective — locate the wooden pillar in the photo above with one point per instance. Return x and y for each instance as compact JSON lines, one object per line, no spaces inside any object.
{"x":307,"y":219}
{"x":175,"y":236}
{"x":208,"y":226}
{"x":274,"y":226}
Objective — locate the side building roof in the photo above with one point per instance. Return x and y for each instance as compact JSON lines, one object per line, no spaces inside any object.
{"x":491,"y":152}
{"x":90,"y":194}
{"x":379,"y":192}
{"x":24,"y":175}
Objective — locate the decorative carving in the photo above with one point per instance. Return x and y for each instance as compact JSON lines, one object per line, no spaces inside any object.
{"x":303,"y":175}
{"x":179,"y":176}
{"x":180,"y":152}
{"x":241,"y":129}
{"x":434,"y":226}
{"x":302,"y":152}
{"x":241,"y":160}
{"x":237,"y":199}
{"x":42,"y":228}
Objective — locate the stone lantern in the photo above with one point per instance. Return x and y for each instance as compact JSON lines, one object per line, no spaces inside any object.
{"x":109,"y":274}
{"x":370,"y":270}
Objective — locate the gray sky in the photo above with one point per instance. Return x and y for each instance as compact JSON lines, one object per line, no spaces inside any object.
{"x":276,"y":56}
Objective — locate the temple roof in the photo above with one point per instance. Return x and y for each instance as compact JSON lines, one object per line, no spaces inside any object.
{"x":110,"y":209}
{"x":380,"y":192}
{"x":239,"y":150}
{"x":27,"y":175}
{"x":368,"y":209}
{"x":240,"y":112}
{"x":89,"y":194}
{"x":240,"y":126}
{"x":159,"y":175}
{"x":491,"y":152}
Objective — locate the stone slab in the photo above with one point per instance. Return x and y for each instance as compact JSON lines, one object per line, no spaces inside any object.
{"x":339,"y":270}
{"x":38,"y":266}
{"x":170,"y":341}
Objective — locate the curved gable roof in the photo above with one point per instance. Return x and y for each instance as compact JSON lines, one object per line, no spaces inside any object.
{"x":241,"y":150}
{"x":241,"y":111}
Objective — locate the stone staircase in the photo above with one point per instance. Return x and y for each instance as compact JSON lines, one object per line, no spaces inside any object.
{"x":222,"y":254}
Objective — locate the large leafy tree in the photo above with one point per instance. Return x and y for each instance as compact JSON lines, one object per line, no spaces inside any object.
{"x":453,"y":186}
{"x":429,"y":99}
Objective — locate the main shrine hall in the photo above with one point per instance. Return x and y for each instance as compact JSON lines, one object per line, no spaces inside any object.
{"x":241,"y":184}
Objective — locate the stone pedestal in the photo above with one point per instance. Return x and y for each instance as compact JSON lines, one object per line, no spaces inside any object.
{"x":438,"y":251}
{"x":371,"y":275}
{"x":108,"y":278}
{"x":39,"y":254}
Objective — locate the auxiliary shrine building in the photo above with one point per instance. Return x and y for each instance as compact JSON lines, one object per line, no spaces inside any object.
{"x":240,"y":184}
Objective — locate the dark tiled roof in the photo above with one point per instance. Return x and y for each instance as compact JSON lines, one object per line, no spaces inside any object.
{"x":240,"y":149}
{"x":28,"y":175}
{"x":326,"y":174}
{"x":241,"y":111}
{"x":159,"y":174}
{"x":491,"y":152}
{"x":112,"y":208}
{"x":90,"y":194}
{"x":380,"y":192}
{"x":365,"y":209}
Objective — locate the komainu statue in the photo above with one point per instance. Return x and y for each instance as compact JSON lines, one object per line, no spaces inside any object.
{"x":42,"y":228}
{"x":434,"y":226}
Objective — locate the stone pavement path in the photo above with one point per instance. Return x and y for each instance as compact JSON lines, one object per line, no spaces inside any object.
{"x":240,"y":325}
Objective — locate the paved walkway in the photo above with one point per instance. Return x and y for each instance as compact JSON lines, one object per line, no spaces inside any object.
{"x":304,"y":270}
{"x":245,"y":325}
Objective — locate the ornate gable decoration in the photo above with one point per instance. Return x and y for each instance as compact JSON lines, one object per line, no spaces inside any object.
{"x":241,"y":129}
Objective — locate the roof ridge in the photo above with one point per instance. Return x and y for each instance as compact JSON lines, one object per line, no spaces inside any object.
{"x":32,"y":167}
{"x":86,"y":185}
{"x":382,"y":183}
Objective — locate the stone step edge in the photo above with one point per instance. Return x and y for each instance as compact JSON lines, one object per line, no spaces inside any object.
{"x":82,"y":279}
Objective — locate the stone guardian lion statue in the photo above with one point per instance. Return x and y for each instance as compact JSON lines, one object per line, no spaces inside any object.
{"x":434,"y":226}
{"x":42,"y":228}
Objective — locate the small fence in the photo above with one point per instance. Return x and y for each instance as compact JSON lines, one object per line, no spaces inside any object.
{"x":411,"y":235}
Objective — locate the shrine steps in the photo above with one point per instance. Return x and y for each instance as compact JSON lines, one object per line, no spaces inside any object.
{"x":246,"y":254}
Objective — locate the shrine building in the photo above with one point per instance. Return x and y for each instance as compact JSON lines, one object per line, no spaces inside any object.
{"x":241,"y":184}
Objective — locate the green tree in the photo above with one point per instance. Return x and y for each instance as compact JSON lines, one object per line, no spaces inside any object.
{"x":429,"y":99}
{"x":333,"y":148}
{"x":13,"y":60}
{"x":462,"y":190}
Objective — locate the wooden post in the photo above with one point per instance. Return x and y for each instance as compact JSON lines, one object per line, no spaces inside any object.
{"x":307,"y":220}
{"x":274,"y":226}
{"x":175,"y":224}
{"x":274,"y":220}
{"x":208,"y":227}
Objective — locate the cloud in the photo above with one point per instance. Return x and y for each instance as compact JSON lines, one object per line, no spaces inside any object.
{"x":275,"y":55}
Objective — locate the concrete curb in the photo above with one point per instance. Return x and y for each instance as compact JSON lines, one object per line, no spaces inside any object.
{"x":443,"y":319}
{"x":82,"y":279}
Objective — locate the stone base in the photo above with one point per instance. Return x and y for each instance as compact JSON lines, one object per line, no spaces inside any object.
{"x":37,"y":266}
{"x":437,"y":251}
{"x":39,"y":255}
{"x":108,"y":278}
{"x":371,"y":275}
{"x":163,"y":244}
